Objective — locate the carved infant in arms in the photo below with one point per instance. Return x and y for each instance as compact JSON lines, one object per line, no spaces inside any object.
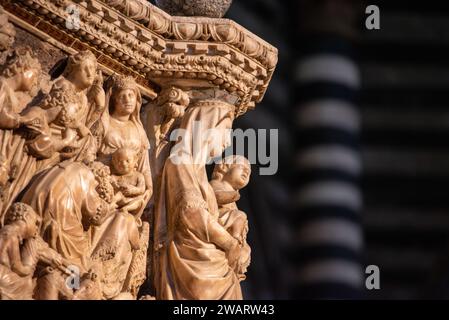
{"x":128,"y":183}
{"x":63,"y":113}
{"x":229,"y":176}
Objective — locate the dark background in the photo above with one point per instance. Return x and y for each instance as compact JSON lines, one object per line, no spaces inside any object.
{"x":403,"y":145}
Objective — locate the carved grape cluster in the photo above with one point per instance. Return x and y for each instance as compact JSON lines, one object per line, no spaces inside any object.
{"x":103,"y":175}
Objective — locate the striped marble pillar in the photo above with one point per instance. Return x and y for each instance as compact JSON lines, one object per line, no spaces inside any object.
{"x":327,"y":235}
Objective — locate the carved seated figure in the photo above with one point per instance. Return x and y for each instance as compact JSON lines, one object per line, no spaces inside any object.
{"x":229,"y":176}
{"x":127,"y":181}
{"x":21,"y":249}
{"x":19,"y":74}
{"x":47,"y":133}
{"x":65,"y":113}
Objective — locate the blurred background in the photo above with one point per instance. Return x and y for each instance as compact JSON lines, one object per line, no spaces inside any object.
{"x":363,"y":119}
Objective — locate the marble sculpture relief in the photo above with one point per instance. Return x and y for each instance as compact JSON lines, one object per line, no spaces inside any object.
{"x":97,"y":200}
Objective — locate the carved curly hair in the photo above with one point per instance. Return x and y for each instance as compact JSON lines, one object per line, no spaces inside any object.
{"x":76,"y":60}
{"x":20,"y":60}
{"x":225,"y":164}
{"x":21,"y":212}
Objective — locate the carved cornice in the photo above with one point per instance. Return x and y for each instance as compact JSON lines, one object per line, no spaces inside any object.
{"x":198,"y":28}
{"x":136,"y":38}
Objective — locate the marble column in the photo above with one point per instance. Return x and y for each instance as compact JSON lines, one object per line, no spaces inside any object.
{"x":328,"y":238}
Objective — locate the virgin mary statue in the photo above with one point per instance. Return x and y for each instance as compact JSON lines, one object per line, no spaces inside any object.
{"x":195,"y":256}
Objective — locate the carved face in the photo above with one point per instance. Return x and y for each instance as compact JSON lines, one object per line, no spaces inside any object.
{"x":124,"y":162}
{"x":238,"y":176}
{"x":27,"y":80}
{"x":85,"y":74}
{"x":125,"y":102}
{"x":33,"y":226}
{"x":218,"y":143}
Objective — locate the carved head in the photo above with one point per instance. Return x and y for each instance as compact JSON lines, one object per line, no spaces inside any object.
{"x":81,"y":69}
{"x":22,"y":213}
{"x":124,"y":160}
{"x":125,"y":96}
{"x":176,"y":101}
{"x":235,"y":170}
{"x":22,"y":65}
{"x":7,"y":32}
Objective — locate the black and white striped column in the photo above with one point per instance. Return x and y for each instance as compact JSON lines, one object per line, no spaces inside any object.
{"x":327,"y":238}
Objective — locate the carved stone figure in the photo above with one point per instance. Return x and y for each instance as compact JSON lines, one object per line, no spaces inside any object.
{"x":53,"y":131}
{"x":70,"y":210}
{"x":19,"y":73}
{"x":161,"y":119}
{"x":128,"y":182}
{"x":66,"y":111}
{"x":229,"y":176}
{"x":195,"y":254}
{"x":69,"y":197}
{"x":20,"y":251}
{"x":121,"y":127}
{"x":86,"y":188}
{"x":120,"y":134}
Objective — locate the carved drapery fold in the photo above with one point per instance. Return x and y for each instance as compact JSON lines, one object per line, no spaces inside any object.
{"x":102,"y":167}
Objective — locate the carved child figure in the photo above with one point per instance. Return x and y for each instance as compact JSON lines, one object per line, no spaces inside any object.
{"x":65,"y":113}
{"x":127,"y":181}
{"x":20,"y":251}
{"x":229,"y":176}
{"x":19,"y":74}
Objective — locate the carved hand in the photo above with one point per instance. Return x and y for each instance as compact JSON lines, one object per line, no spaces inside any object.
{"x":60,"y":263}
{"x":233,"y":255}
{"x":128,"y":191}
{"x":63,"y":265}
{"x":82,"y":130}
